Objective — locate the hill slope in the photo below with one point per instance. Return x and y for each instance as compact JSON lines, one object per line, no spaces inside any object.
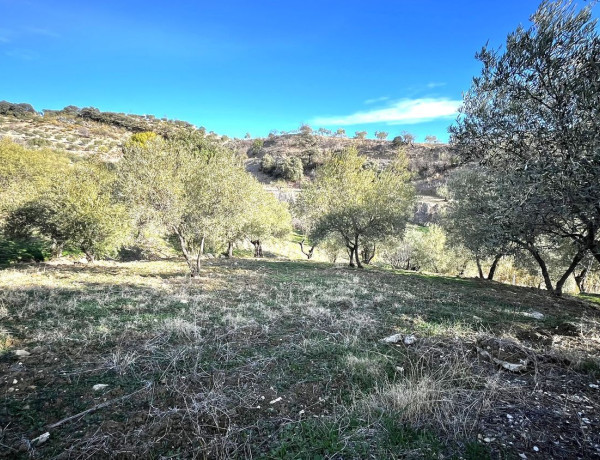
{"x":273,"y":359}
{"x":88,"y":131}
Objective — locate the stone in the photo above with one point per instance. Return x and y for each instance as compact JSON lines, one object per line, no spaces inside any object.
{"x":392,"y":339}
{"x":41,"y":439}
{"x":409,"y":340}
{"x":99,"y":386}
{"x":276,"y":400}
{"x":21,"y":353}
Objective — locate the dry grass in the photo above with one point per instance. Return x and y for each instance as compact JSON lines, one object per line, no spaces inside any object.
{"x":277,"y":359}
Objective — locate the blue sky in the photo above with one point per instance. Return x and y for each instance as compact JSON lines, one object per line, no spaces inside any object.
{"x":240,"y":66}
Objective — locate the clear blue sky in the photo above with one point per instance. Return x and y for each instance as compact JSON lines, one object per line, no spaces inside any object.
{"x":241,"y":66}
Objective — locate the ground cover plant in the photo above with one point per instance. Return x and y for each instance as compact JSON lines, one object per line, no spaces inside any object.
{"x":276,"y":359}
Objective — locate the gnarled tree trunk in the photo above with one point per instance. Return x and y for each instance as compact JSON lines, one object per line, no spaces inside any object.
{"x":258,"y":252}
{"x":310,"y":252}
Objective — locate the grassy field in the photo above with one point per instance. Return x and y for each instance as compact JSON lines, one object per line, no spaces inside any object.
{"x":274,"y":359}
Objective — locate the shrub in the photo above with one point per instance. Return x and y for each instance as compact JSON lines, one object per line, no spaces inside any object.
{"x":290,"y":168}
{"x":268,"y":164}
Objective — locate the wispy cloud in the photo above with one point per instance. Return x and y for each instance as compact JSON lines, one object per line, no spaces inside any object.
{"x":23,"y":54}
{"x":377,"y":99}
{"x":404,"y":111}
{"x":5,"y":35}
{"x":435,"y":84}
{"x":41,"y":31}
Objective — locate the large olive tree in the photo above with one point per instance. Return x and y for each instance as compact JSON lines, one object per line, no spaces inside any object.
{"x":532,"y":120}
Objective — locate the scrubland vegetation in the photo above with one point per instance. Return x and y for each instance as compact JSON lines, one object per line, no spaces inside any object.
{"x":165,"y":295}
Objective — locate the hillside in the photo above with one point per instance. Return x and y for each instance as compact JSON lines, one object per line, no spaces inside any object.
{"x":88,"y":131}
{"x":275,"y":359}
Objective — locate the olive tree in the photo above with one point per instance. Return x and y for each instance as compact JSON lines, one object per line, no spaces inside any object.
{"x":532,"y":119}
{"x":79,"y":211}
{"x":357,"y":202}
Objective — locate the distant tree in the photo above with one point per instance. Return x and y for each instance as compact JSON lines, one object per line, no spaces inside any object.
{"x":268,"y":164}
{"x":324,"y":132}
{"x":429,"y":139}
{"x":257,"y":146}
{"x":360,"y":134}
{"x":305,"y":129}
{"x":340,"y":132}
{"x":248,"y":136}
{"x":355,"y":202}
{"x":381,"y":135}
{"x":408,"y":138}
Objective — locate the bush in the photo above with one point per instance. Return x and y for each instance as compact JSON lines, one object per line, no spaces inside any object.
{"x":268,"y":164}
{"x":257,"y":146}
{"x":27,"y":250}
{"x":16,"y":110}
{"x":287,"y":168}
{"x":290,"y":168}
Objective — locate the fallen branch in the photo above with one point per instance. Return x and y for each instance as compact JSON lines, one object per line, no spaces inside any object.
{"x":99,"y":406}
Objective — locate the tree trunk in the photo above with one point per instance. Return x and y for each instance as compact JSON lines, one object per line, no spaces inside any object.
{"x":310,"y":252}
{"x":478,"y":262}
{"x":368,"y":254}
{"x":547,"y":281}
{"x":358,"y":263}
{"x":230,"y":249}
{"x":538,"y":258}
{"x":193,"y":263}
{"x":580,"y":280}
{"x":492,"y":271}
{"x":89,"y":256}
{"x":561,"y":282}
{"x":257,"y":248}
{"x":57,"y":249}
{"x":350,"y":250}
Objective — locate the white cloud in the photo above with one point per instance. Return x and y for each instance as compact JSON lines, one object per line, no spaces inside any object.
{"x":434,"y":84}
{"x":404,"y":111}
{"x":377,"y":99}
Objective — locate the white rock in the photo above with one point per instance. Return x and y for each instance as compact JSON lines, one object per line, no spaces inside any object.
{"x":99,"y":386}
{"x":41,"y":439}
{"x":536,"y":449}
{"x":21,"y":353}
{"x":15,"y":381}
{"x":593,"y":385}
{"x":409,"y":340}
{"x":536,"y":315}
{"x":522,"y":455}
{"x":392,"y":339}
{"x":275,"y":400}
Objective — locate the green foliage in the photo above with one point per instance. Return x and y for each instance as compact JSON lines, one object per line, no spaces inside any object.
{"x":268,"y":163}
{"x":531,"y":119}
{"x":360,"y":134}
{"x":141,"y":138}
{"x":26,"y":250}
{"x":356,"y":202}
{"x":289,"y":168}
{"x":381,"y":135}
{"x":198,"y":191}
{"x":25,"y":174}
{"x":257,"y":146}
{"x":16,"y":110}
{"x":426,"y":249}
